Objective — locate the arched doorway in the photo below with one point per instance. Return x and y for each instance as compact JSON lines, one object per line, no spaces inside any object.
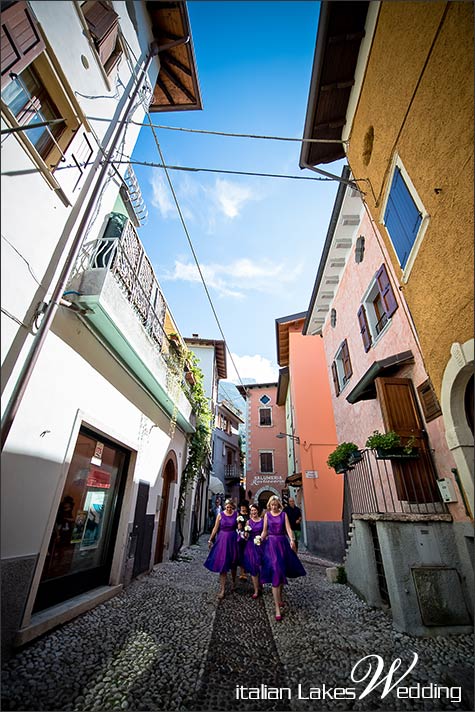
{"x":456,"y":403}
{"x":263,"y":497}
{"x":169,"y":476}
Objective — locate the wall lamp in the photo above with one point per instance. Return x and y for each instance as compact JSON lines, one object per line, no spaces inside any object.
{"x":286,"y":435}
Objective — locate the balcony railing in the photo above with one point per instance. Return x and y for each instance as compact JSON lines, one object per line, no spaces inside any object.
{"x":232,"y":472}
{"x":374,"y":486}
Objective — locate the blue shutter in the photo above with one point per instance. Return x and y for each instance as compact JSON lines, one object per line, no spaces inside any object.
{"x":402,"y":218}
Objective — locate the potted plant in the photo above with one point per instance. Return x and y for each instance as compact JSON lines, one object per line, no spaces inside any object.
{"x":339,"y":459}
{"x":388,"y":446}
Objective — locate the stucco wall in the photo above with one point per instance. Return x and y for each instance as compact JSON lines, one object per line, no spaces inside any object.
{"x":434,"y":138}
{"x":263,"y":438}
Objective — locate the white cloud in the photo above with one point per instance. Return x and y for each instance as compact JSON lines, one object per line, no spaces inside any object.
{"x":237,"y":277}
{"x":161,"y":196}
{"x":256,"y":367}
{"x":230,"y":197}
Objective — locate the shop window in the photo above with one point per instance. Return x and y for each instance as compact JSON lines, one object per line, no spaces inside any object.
{"x":265,"y":416}
{"x":31,"y":90}
{"x":266,"y":461}
{"x":341,"y":368}
{"x":103,"y":24}
{"x":377,"y":307}
{"x":403,"y":216}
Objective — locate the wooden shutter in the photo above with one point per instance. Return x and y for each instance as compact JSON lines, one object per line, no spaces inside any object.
{"x":401,"y":218}
{"x":103,"y":26}
{"x":21,"y":41}
{"x":336,"y":383}
{"x":428,"y":400}
{"x":345,"y":357}
{"x":364,"y":329}
{"x":387,"y":295}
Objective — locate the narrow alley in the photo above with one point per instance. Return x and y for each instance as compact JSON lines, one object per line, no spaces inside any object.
{"x":167,"y":643}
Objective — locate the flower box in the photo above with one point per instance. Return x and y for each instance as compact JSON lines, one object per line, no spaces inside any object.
{"x":356,"y":456}
{"x":397,"y":453}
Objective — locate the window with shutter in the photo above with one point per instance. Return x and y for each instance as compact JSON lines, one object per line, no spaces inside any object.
{"x":429,"y":402}
{"x":103,"y":24}
{"x":377,"y":308}
{"x":265,"y":416}
{"x":402,"y":217}
{"x":21,"y":41}
{"x":266,"y":462}
{"x":341,"y":368}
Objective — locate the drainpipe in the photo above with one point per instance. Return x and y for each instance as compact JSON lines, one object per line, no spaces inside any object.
{"x":50,"y":311}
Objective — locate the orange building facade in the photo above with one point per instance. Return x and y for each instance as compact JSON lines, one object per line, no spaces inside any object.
{"x":305,"y":390}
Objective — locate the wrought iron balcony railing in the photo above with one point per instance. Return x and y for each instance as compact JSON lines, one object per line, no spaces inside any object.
{"x":232,"y":472}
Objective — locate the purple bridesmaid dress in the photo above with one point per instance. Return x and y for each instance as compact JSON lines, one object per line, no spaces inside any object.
{"x":278,"y":559}
{"x":223,"y":554}
{"x":252,"y":552}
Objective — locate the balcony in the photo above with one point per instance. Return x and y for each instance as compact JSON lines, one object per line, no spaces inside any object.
{"x":232,"y":472}
{"x":115,"y":282}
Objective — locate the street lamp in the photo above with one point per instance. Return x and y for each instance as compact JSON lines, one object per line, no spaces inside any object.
{"x":286,"y":435}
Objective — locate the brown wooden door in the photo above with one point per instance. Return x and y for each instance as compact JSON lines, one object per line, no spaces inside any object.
{"x":168,"y":478}
{"x":415,"y":479}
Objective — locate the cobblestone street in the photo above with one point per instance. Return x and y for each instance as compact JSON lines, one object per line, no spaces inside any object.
{"x":166,"y":643}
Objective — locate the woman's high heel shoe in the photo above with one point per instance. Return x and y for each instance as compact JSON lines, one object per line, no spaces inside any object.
{"x":255,"y":595}
{"x":278,"y":618}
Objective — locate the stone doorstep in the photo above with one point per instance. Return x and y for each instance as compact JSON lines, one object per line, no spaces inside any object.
{"x":45,"y":620}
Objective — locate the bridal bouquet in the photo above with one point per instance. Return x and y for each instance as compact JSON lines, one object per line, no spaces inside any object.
{"x":258,"y":540}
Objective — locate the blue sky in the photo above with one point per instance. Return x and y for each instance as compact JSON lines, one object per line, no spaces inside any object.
{"x":258,"y":240}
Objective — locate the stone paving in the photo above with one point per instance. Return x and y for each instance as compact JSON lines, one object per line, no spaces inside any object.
{"x":166,"y":643}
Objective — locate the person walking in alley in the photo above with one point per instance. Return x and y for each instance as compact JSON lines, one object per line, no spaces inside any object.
{"x":253,"y":548}
{"x":242,"y":520}
{"x":223,"y":546}
{"x":294,"y":514}
{"x":279,"y":559}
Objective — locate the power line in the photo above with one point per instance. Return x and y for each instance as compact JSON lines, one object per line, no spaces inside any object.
{"x":182,"y":219}
{"x":150,"y":164}
{"x":229,"y":133}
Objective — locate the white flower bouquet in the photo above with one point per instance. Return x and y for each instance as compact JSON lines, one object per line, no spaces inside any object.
{"x":240,"y":518}
{"x":247,"y":528}
{"x":258,"y":540}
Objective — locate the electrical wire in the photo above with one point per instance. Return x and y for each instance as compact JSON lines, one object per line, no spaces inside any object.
{"x":151,"y":164}
{"x":229,"y":133}
{"x":193,"y":252}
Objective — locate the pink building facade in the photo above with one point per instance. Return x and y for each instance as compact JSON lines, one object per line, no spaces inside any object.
{"x":266,"y":455}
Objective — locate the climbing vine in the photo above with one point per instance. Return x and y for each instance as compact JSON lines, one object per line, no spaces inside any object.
{"x":199,"y":444}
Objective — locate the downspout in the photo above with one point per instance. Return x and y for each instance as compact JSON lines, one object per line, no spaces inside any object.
{"x":50,"y":312}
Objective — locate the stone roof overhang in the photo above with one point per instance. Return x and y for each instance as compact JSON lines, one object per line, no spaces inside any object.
{"x":295,"y":480}
{"x":248,"y":386}
{"x":341,"y":28}
{"x":177,"y":87}
{"x":365,"y":389}
{"x":282,"y":326}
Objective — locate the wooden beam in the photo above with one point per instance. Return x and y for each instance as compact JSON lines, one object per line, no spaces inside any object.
{"x":348,"y":37}
{"x":165,"y":90}
{"x":177,"y":82}
{"x":333,"y":124}
{"x":169,"y":58}
{"x":341,"y":84}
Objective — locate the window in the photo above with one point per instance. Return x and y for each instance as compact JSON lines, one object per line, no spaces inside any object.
{"x":31,"y":90}
{"x":341,"y":368}
{"x":103,"y":24}
{"x":266,"y":460}
{"x":378,"y":306}
{"x":265,"y":416}
{"x":403,"y":216}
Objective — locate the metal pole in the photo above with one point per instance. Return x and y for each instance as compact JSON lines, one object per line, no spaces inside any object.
{"x":39,"y":339}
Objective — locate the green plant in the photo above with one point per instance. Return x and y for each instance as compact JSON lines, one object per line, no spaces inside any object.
{"x":199,"y":444}
{"x":383,"y":441}
{"x":338,"y":459}
{"x":389,"y":441}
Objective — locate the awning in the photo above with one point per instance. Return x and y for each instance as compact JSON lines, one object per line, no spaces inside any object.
{"x":295,"y":480}
{"x":215,"y":485}
{"x":365,"y":389}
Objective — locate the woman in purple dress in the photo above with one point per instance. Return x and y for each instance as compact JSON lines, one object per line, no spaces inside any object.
{"x":253,"y":548}
{"x":279,"y":559}
{"x":223,"y":542}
